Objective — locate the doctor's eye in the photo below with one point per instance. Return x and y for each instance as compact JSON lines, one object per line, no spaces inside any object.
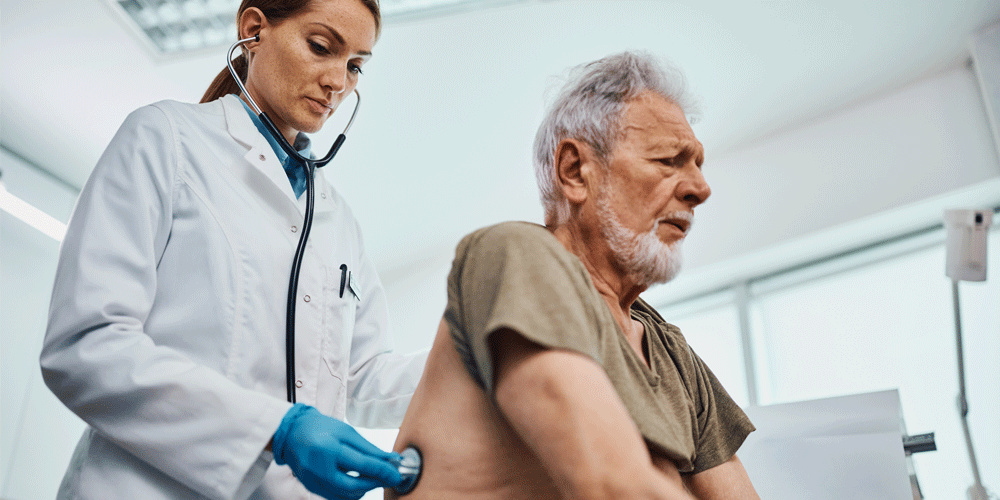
{"x":354,"y":68}
{"x":318,"y":48}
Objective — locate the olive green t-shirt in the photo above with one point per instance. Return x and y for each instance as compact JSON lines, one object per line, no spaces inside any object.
{"x":516,"y":275}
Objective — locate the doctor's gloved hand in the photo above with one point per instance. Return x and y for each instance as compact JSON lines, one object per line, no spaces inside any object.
{"x":321,"y":450}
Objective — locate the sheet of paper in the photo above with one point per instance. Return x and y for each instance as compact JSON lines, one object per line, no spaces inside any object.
{"x":836,"y":448}
{"x":854,"y":414}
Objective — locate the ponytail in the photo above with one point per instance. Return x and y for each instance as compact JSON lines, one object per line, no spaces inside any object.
{"x":224,"y":83}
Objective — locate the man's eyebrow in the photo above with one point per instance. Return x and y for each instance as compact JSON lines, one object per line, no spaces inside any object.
{"x":340,"y":39}
{"x":695,"y":152}
{"x":679,"y":147}
{"x":671,"y":145}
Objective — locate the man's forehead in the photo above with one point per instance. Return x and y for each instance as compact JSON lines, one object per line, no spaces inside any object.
{"x":658,"y":122}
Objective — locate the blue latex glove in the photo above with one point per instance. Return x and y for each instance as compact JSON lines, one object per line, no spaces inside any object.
{"x":321,"y":450}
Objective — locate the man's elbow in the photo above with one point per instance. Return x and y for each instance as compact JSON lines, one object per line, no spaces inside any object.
{"x":726,"y":481}
{"x":645,"y":483}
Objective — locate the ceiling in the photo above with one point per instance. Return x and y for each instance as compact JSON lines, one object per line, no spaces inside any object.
{"x":442,"y":143}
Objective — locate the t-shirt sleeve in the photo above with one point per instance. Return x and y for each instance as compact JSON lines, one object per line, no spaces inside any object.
{"x":722,"y":424}
{"x":517,"y":276}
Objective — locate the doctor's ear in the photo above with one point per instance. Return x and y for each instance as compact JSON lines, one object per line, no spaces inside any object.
{"x":251,"y":22}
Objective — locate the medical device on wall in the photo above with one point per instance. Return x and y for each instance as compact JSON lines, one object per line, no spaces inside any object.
{"x":966,"y":261}
{"x":310,"y":165}
{"x":967,"y":232}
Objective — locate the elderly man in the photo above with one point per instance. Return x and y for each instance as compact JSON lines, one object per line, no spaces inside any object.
{"x":549,"y":376}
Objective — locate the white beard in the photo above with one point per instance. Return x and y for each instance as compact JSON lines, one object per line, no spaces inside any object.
{"x":646,"y":260}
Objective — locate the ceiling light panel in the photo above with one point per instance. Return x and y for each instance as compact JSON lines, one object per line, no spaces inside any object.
{"x":176,"y":27}
{"x":179,"y":26}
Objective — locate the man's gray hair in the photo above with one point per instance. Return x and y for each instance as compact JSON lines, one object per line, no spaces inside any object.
{"x":590,"y":108}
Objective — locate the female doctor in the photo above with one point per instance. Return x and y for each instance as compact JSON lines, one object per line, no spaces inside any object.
{"x":166,"y":327}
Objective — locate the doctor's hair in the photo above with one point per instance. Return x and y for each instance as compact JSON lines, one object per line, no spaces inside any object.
{"x":275,"y":11}
{"x":590,"y":107}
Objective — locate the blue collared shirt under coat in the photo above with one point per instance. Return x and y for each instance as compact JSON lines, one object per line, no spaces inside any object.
{"x":293,"y":167}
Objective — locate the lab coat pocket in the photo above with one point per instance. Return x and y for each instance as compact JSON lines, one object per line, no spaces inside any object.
{"x":338,"y":326}
{"x":331,"y":395}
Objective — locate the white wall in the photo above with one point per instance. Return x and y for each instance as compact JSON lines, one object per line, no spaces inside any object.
{"x":37,"y":433}
{"x":921,"y":141}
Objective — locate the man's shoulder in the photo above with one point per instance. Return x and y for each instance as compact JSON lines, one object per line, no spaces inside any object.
{"x":512,"y":251}
{"x":510,"y":230}
{"x":508,"y":235}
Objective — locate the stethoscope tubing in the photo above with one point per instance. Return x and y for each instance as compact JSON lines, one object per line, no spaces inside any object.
{"x":310,"y":165}
{"x":293,"y":284}
{"x":411,"y":460}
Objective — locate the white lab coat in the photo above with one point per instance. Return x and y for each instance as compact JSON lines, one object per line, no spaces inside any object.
{"x":166,"y":328}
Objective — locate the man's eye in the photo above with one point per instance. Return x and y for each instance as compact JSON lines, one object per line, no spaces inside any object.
{"x":317,"y":48}
{"x":671,"y":162}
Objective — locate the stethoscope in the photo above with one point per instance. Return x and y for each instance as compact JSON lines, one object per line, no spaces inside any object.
{"x":411,"y":463}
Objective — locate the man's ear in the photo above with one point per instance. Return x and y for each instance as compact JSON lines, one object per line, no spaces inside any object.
{"x":575,"y":164}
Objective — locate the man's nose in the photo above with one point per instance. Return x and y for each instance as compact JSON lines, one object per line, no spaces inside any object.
{"x":694,"y":189}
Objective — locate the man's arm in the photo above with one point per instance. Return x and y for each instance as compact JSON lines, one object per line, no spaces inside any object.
{"x":565,"y":409}
{"x":726,"y":481}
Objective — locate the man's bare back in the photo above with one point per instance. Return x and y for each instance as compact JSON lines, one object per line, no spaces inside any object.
{"x":469,"y":450}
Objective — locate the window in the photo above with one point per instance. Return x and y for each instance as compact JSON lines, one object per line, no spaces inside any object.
{"x":890,"y":324}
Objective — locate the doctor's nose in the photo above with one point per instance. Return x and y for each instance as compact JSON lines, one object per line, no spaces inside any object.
{"x":334,"y":80}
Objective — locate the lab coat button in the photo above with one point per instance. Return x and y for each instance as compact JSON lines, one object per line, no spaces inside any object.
{"x":322,"y":195}
{"x":298,"y":383}
{"x":307,"y":298}
{"x":262,"y":157}
{"x":294,"y":229}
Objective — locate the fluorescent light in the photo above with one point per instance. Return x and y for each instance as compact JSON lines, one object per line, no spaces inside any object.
{"x":178,"y":26}
{"x":31,"y":216}
{"x":172,"y":27}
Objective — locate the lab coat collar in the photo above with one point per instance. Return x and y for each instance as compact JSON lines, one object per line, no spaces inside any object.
{"x":262,"y":156}
{"x":293,"y":167}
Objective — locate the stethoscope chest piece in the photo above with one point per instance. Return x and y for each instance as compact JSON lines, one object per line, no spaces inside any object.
{"x":410,"y":466}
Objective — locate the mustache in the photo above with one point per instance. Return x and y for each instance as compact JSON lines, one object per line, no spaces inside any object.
{"x":680,"y":218}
